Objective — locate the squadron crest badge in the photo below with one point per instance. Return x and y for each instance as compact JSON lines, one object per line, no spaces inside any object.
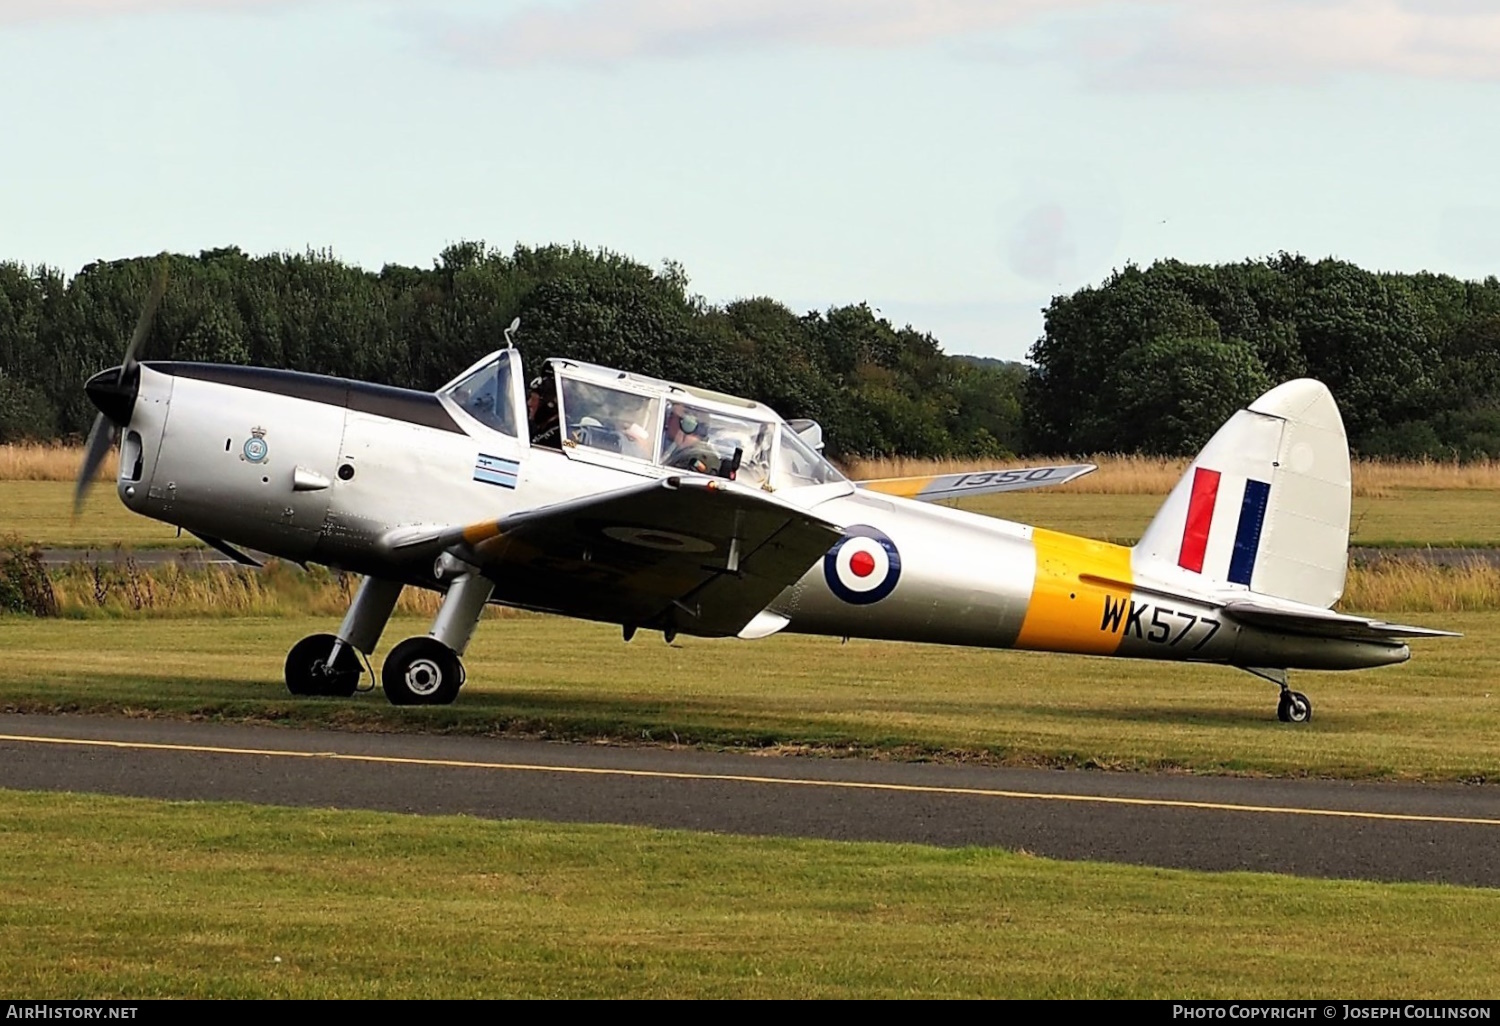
{"x":256,"y":450}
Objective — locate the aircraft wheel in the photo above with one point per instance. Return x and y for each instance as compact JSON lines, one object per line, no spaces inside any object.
{"x":1293,"y":707}
{"x":308,"y":672}
{"x":422,"y":671}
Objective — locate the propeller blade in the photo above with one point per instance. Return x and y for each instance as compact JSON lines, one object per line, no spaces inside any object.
{"x":101,"y":439}
{"x":143,"y":324}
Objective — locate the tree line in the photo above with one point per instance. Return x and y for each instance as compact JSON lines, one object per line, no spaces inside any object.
{"x":1154,"y":360}
{"x":874,"y":387}
{"x":1150,"y":360}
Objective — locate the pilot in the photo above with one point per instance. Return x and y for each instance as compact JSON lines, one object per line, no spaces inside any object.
{"x":687,"y":442}
{"x":541,"y":414}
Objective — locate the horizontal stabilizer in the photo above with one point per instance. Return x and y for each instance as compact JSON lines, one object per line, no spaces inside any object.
{"x":977,"y":482}
{"x":1324,"y":623}
{"x":1290,"y":617}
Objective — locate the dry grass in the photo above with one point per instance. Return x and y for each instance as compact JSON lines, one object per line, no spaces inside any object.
{"x":1395,"y":586}
{"x":1155,"y":475}
{"x":41,"y":461}
{"x":126,"y":589}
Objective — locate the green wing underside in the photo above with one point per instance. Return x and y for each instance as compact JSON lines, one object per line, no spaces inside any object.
{"x":696,"y":555}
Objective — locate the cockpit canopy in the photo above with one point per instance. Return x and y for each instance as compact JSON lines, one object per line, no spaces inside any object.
{"x":633,"y":421}
{"x":486,"y":392}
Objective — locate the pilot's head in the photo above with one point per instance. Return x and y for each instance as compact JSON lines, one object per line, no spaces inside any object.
{"x":536,"y":397}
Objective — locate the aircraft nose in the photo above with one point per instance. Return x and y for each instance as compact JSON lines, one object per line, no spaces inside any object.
{"x":114,"y":392}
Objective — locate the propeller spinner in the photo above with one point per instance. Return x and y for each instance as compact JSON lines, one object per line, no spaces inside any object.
{"x":114,"y":392}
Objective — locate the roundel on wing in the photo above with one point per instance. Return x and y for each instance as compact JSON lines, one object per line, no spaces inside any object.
{"x":863,"y":567}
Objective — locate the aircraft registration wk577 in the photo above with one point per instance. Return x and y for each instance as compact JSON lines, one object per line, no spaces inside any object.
{"x":610,"y":496}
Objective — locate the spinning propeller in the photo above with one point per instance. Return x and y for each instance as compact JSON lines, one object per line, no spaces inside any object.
{"x":114,"y":391}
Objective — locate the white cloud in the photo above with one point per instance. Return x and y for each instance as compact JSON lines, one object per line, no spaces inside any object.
{"x":1152,"y":43}
{"x":1143,"y":42}
{"x":13,"y":11}
{"x":1286,"y":41}
{"x":604,"y":32}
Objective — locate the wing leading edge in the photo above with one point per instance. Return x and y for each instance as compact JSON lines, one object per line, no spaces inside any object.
{"x":697,"y":555}
{"x":978,"y":482}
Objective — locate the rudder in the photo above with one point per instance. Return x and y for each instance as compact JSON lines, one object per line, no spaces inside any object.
{"x":1264,"y":506}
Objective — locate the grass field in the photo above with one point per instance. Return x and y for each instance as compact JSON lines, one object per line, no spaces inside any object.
{"x":114,"y":897}
{"x":42,"y":512}
{"x":111,"y":897}
{"x":1435,"y":718}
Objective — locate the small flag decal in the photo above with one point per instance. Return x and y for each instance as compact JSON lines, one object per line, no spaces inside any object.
{"x":496,"y":470}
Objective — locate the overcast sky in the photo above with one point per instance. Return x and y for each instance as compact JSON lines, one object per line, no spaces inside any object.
{"x":955,"y":163}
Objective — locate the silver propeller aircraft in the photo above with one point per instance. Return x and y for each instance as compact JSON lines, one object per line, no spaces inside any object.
{"x":609,"y":496}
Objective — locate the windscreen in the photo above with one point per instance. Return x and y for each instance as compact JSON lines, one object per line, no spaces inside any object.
{"x":485,"y":395}
{"x":799,"y":464}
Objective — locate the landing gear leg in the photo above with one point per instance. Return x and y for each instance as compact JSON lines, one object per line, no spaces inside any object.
{"x":1293,"y":706}
{"x":429,"y":671}
{"x":329,"y":664}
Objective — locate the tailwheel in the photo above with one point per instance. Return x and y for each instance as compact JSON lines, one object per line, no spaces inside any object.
{"x":308,"y":669}
{"x":1293,"y":707}
{"x":422,"y":671}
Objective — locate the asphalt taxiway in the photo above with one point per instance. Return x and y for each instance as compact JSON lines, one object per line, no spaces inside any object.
{"x":1357,"y":830}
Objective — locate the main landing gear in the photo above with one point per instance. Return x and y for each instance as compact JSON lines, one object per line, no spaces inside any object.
{"x":321,"y":664}
{"x":1293,"y":706}
{"x":418,"y":671}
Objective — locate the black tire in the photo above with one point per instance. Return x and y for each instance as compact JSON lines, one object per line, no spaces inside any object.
{"x":1294,"y":707}
{"x":422,"y":671}
{"x":308,"y":673}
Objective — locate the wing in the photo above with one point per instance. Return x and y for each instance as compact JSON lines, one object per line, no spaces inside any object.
{"x":979,"y":482}
{"x":696,"y":555}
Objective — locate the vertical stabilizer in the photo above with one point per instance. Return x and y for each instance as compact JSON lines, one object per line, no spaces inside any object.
{"x":1264,"y":507}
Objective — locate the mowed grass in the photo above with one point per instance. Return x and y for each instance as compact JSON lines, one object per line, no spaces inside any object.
{"x":1435,"y":718}
{"x":126,"y":898}
{"x":41,"y":512}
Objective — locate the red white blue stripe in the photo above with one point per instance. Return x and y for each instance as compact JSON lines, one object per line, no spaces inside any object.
{"x":1198,"y":526}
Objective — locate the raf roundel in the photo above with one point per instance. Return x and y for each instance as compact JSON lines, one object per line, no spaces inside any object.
{"x":863,"y":567}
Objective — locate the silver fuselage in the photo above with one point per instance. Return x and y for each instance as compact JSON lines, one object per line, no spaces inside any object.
{"x":319,"y":469}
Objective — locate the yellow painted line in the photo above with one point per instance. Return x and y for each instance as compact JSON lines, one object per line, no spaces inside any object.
{"x":741,"y":778}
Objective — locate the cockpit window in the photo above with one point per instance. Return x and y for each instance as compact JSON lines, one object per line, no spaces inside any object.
{"x":705,"y":442}
{"x":798,"y":464}
{"x":485,"y":395}
{"x":608,"y":418}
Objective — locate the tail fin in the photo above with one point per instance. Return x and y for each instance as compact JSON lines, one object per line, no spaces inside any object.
{"x":1265,"y":506}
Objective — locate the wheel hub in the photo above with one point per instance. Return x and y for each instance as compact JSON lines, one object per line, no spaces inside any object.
{"x":423,"y":677}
